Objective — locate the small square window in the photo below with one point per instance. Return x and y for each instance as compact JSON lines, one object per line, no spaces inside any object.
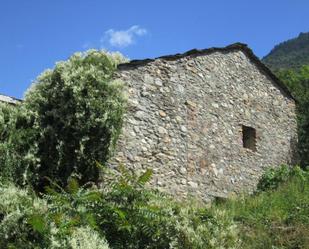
{"x":249,"y":137}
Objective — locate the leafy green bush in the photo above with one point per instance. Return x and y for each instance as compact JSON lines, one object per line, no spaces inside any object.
{"x":11,"y":160}
{"x":141,"y":218}
{"x":27,"y":222}
{"x":5,"y":119}
{"x":273,"y":177}
{"x":123,"y":211}
{"x":131,"y":216}
{"x":71,"y":117}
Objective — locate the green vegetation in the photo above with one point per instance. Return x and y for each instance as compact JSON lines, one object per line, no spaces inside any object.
{"x":71,"y":117}
{"x":123,"y":213}
{"x":291,"y":54}
{"x":290,"y":62}
{"x":51,"y":149}
{"x":120,"y":215}
{"x":298,"y":83}
{"x":281,"y":214}
{"x":277,"y":217}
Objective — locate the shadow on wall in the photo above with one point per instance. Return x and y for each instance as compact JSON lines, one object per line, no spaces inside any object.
{"x":294,"y":151}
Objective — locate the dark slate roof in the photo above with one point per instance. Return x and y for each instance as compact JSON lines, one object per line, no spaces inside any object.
{"x":198,"y":52}
{"x":10,"y":100}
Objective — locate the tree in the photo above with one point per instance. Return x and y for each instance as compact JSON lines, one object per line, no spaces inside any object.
{"x":71,"y":117}
{"x":298,"y":83}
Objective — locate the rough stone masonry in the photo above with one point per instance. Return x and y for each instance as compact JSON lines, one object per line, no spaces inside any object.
{"x":207,"y":122}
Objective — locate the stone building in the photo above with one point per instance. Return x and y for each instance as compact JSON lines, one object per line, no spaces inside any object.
{"x":207,"y":122}
{"x":7,"y":99}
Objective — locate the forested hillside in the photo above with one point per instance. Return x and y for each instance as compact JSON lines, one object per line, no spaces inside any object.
{"x":290,"y":54}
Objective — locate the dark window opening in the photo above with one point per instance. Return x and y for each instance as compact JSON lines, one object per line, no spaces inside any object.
{"x":249,"y":137}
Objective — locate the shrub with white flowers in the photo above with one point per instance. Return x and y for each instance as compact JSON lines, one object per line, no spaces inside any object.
{"x":71,"y":117}
{"x":123,"y":214}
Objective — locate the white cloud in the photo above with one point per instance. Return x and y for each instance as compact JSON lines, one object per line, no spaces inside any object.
{"x":123,"y":38}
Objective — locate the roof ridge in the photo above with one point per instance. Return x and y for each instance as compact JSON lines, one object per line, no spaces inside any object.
{"x":198,"y":52}
{"x":194,"y":51}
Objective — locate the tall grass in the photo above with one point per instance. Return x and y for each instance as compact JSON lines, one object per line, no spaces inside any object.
{"x":275,"y":218}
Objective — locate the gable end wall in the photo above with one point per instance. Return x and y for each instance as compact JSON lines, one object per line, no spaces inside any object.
{"x":185,"y":122}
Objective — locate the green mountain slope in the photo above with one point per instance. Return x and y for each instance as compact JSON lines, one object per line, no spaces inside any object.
{"x":291,"y":54}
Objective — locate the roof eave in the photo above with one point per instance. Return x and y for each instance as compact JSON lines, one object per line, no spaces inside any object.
{"x":9,"y":100}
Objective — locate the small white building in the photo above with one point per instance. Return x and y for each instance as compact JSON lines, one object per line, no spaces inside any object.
{"x":7,"y":99}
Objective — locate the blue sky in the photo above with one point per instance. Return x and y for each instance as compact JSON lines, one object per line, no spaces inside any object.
{"x":37,"y":33}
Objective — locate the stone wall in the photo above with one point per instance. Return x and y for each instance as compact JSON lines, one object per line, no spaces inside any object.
{"x":185,"y":122}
